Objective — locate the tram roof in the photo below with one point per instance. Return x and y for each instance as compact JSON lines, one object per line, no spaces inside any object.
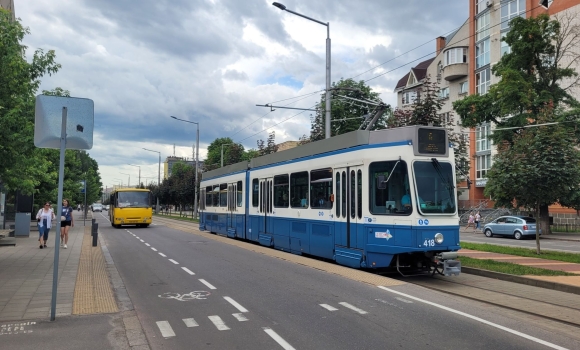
{"x":129,"y":189}
{"x":348,"y":140}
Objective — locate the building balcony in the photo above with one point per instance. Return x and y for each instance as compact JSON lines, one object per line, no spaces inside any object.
{"x":455,"y":71}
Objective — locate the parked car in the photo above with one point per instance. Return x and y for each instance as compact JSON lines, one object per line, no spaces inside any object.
{"x":97,"y":207}
{"x":513,"y":226}
{"x":107,"y":207}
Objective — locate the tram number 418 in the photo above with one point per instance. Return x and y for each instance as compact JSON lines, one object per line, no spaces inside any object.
{"x":429,"y":243}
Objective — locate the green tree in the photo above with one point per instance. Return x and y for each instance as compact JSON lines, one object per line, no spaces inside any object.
{"x":347,"y":114}
{"x":532,"y":77}
{"x":529,"y":171}
{"x":213,"y":160}
{"x":23,"y":166}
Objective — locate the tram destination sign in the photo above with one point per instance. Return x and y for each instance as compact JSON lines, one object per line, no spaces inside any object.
{"x":432,"y":141}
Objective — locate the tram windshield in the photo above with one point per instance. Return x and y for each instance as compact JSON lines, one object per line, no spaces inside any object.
{"x":435,"y":187}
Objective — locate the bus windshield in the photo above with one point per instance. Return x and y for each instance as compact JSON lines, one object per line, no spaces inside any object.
{"x":134,"y":200}
{"x":435,"y":187}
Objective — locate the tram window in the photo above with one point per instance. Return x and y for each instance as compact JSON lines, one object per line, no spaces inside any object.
{"x":344,"y":195}
{"x":255,"y":192}
{"x":435,"y":187}
{"x":240,"y":194}
{"x":299,"y":190}
{"x":338,"y":194}
{"x":215,"y":197}
{"x":281,"y":190}
{"x":202,"y":200}
{"x":389,"y":188}
{"x":208,"y":193}
{"x":321,"y":188}
{"x":223,"y":191}
{"x":359,"y":193}
{"x":352,"y":194}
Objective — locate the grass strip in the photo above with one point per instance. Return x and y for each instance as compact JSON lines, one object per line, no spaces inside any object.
{"x":530,"y":253}
{"x":509,"y":268}
{"x":182,"y":218}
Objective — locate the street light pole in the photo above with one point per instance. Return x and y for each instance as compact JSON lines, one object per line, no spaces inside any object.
{"x":222,"y":158}
{"x":139,"y":184}
{"x":328,"y":95}
{"x":158,"y":179}
{"x":129,"y":181}
{"x":196,"y":164}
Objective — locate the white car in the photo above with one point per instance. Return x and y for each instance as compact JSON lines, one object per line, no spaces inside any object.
{"x":97,"y":207}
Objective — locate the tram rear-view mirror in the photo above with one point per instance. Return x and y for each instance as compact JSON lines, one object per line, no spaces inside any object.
{"x":381,"y":184}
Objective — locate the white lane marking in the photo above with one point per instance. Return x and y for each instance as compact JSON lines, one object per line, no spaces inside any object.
{"x":105,"y":217}
{"x":190,"y":322}
{"x":235,"y":304}
{"x":173,"y":261}
{"x":328,"y":307}
{"x":147,"y":244}
{"x":188,"y":270}
{"x":352,"y":307}
{"x":142,"y":240}
{"x":240,"y":317}
{"x":163,"y":255}
{"x":404,"y":300}
{"x":283,"y":343}
{"x":475,"y":318}
{"x":153,"y":249}
{"x":165,"y":328}
{"x":209,"y":285}
{"x":217,"y":321}
{"x":137,"y":237}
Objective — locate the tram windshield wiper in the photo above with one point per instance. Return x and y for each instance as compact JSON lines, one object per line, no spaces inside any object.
{"x":445,"y":181}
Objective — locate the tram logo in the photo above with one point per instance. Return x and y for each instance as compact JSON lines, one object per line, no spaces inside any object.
{"x":386,"y":235}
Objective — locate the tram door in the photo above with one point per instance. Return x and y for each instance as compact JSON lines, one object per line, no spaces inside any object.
{"x":266,"y":203}
{"x":231,"y":212}
{"x":348,"y":206}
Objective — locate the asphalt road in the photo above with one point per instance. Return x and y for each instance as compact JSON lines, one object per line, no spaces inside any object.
{"x":548,"y":244}
{"x":194,"y":292}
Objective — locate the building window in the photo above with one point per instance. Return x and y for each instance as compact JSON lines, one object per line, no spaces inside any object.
{"x":409,"y":97}
{"x":510,"y":10}
{"x":444,"y":93}
{"x":411,"y":79}
{"x":463,"y":87}
{"x":457,"y":55}
{"x":483,"y":164}
{"x":482,"y":81}
{"x":482,"y":27}
{"x":480,"y":6}
{"x":482,"y":138}
{"x":546,"y":3}
{"x":445,"y":118}
{"x":482,"y":53}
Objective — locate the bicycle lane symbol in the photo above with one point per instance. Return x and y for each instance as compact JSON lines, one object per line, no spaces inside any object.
{"x":195,"y":295}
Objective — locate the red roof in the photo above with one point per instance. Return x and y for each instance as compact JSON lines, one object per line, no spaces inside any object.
{"x":419,"y":70}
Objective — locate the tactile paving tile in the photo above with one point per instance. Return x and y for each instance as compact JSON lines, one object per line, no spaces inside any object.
{"x":93,"y":290}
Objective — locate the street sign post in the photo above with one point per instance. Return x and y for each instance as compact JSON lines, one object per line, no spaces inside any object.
{"x":50,"y":113}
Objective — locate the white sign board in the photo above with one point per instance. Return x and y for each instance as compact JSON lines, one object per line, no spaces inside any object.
{"x":48,"y":122}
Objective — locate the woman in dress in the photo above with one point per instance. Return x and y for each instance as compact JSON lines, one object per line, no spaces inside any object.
{"x":470,"y":221}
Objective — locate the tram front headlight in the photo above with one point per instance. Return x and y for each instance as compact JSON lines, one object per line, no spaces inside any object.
{"x":438,"y":238}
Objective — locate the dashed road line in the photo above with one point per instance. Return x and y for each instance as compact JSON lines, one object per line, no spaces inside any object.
{"x":190,"y":322}
{"x":218,"y":322}
{"x":209,"y":285}
{"x":328,"y":307}
{"x":142,"y":240}
{"x":163,"y":255}
{"x":188,"y":270}
{"x":153,"y":249}
{"x":137,"y":237}
{"x":240,"y":317}
{"x":354,"y":308}
{"x":236,"y":304}
{"x":283,"y":343}
{"x":173,"y":261}
{"x":147,"y":244}
{"x":165,"y":328}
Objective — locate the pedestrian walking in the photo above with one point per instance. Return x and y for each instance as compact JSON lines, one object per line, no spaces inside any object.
{"x":470,"y":221}
{"x":44,"y":217}
{"x":67,"y":221}
{"x":477,"y":220}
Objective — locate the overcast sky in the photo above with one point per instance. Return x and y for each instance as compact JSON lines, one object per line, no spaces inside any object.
{"x":212,"y":61}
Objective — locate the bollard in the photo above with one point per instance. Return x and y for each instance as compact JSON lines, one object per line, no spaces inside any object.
{"x":95,"y":235}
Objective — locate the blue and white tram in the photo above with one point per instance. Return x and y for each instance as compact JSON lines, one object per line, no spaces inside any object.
{"x":366,"y":199}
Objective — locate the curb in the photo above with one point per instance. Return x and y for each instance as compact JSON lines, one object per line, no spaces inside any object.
{"x":522,"y":280}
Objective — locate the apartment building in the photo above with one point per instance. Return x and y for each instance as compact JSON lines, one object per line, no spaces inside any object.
{"x":488,"y":23}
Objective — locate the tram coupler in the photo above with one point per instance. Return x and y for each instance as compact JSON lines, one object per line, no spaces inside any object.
{"x":447,"y":261}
